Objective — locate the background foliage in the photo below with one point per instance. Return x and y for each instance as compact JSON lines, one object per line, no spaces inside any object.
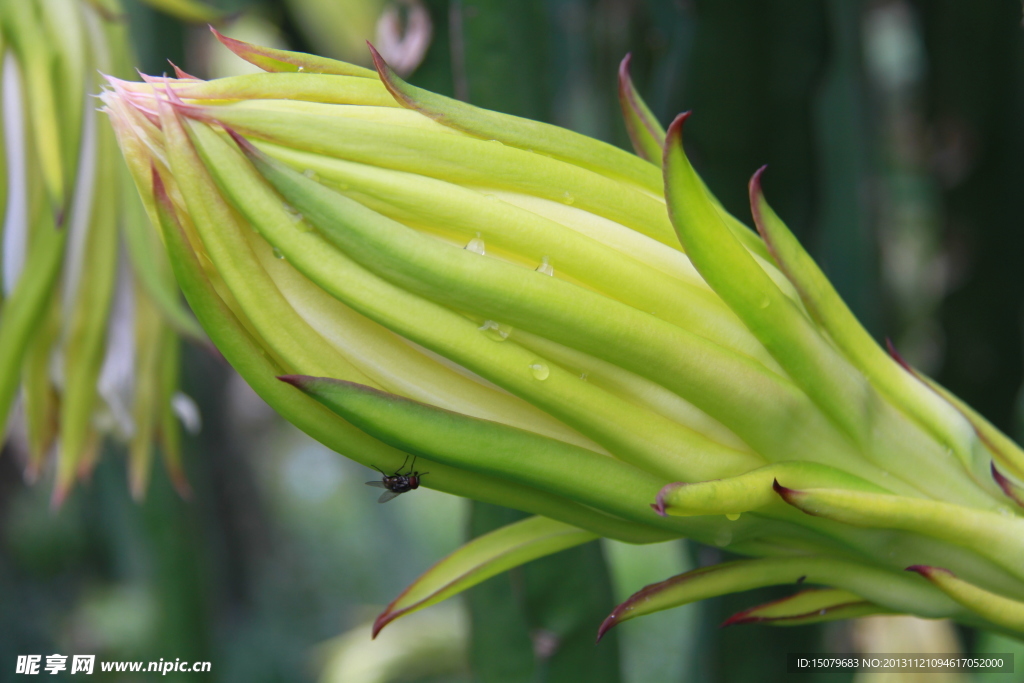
{"x":894,"y":135}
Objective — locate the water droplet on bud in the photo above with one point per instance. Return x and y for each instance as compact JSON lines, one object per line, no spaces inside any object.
{"x":568,"y":198}
{"x":476,"y":245}
{"x":765,"y":303}
{"x":311,"y":174}
{"x":723,"y":538}
{"x":540,"y":370}
{"x":278,"y":253}
{"x":732,"y":516}
{"x":495,"y":331}
{"x":545,"y":267}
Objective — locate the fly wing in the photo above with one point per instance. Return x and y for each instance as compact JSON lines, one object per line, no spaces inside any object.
{"x":386,"y":496}
{"x":377,"y":483}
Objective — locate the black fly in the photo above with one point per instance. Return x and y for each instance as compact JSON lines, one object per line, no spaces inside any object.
{"x":397,"y":483}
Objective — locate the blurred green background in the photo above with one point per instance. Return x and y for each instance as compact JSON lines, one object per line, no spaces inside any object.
{"x":894,"y":135}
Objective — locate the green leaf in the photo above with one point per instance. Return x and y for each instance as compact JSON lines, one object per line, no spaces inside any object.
{"x":482,"y":558}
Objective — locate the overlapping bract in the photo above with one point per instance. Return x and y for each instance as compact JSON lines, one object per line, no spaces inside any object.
{"x":553,"y":324}
{"x":87,"y":325}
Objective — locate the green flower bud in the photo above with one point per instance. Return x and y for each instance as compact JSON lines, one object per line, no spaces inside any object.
{"x":550,"y":323}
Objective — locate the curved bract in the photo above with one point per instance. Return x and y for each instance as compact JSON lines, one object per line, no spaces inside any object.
{"x":549,"y":323}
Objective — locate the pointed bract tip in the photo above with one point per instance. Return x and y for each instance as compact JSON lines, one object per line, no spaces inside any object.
{"x":624,"y":76}
{"x":606,"y":625}
{"x":783,"y":491}
{"x":297,"y":381}
{"x":1012,"y":490}
{"x":999,"y":476}
{"x":754,"y":186}
{"x":928,"y":571}
{"x":382,"y":620}
{"x":675,"y":129}
{"x":250,"y":150}
{"x":739,"y":618}
{"x":181,"y":73}
{"x":891,"y":348}
{"x":756,"y":195}
{"x":378,"y":60}
{"x":159,"y":190}
{"x":659,"y":502}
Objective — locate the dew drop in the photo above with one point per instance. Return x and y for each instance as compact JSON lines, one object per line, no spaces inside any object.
{"x":545,"y":267}
{"x":495,"y":331}
{"x":732,"y":516}
{"x":765,"y":303}
{"x":540,"y":370}
{"x":476,"y":245}
{"x":311,"y":174}
{"x":568,"y":198}
{"x":723,"y":538}
{"x":278,"y":253}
